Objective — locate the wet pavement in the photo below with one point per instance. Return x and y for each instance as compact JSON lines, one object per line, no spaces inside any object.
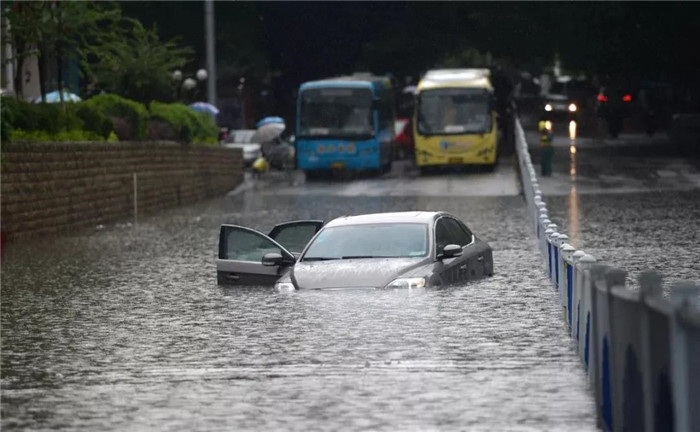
{"x":124,"y":328}
{"x":632,"y":202}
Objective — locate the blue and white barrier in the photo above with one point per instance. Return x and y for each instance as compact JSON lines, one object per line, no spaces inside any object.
{"x":641,"y":351}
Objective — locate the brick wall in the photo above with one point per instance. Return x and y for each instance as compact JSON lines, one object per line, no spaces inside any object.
{"x":59,"y":187}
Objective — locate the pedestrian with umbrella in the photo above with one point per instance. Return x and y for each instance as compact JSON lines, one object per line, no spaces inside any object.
{"x":278,"y":153}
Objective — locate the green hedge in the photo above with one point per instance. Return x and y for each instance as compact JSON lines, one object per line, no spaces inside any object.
{"x":94,"y":121}
{"x":104,"y":117}
{"x":206,"y":130}
{"x":45,"y":117}
{"x":128,"y":117}
{"x":186,"y":124}
{"x":25,"y":121}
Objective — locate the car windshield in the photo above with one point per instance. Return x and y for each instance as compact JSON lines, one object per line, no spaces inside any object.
{"x":369,"y":241}
{"x":333,"y":112}
{"x":454,"y":111}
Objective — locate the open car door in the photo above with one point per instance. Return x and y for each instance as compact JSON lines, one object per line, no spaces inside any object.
{"x":295,"y":235}
{"x":241,"y":252}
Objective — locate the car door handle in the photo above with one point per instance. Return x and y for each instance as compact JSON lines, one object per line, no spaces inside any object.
{"x":232,"y":276}
{"x":463,"y":267}
{"x":480,"y":258}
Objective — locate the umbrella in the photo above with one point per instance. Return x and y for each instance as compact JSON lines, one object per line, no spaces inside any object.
{"x":205,"y":108}
{"x":55,"y":97}
{"x":269,"y":129}
{"x":268,"y":120}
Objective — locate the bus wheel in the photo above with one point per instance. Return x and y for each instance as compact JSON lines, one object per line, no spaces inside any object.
{"x":425,"y":170}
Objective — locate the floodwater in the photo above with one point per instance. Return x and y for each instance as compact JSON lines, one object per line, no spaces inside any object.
{"x":125,"y":328}
{"x":633,"y":203}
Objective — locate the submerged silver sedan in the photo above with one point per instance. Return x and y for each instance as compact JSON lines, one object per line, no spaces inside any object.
{"x":383,"y":250}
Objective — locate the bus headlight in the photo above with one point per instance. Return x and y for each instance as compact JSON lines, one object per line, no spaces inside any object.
{"x":548,"y":107}
{"x":572,"y":107}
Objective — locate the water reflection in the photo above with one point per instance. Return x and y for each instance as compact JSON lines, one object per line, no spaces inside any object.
{"x":573,"y":194}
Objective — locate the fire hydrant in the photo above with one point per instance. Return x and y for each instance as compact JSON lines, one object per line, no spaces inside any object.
{"x":545,"y":129}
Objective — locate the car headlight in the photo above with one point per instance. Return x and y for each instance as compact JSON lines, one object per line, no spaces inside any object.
{"x":548,"y":107}
{"x":284,"y":287}
{"x":572,"y":107}
{"x":409,"y":283}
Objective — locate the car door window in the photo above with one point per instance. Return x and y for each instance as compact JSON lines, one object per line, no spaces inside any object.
{"x":442,"y":236}
{"x":449,"y":231}
{"x":458,"y":234}
{"x":467,"y":231}
{"x":247,"y":245}
{"x":294,"y":236}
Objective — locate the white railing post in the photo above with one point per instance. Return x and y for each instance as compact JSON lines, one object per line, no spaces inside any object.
{"x":538,"y":229}
{"x":650,"y":287}
{"x":547,"y":251}
{"x":566,"y":252}
{"x":560,"y":275}
{"x":554,"y":245}
{"x":685,"y":407}
{"x":584,"y":265}
{"x":543,"y":237}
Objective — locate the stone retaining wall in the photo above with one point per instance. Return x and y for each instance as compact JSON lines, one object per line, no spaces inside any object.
{"x":58,"y":187}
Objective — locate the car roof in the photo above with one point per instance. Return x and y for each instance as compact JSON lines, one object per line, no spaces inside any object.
{"x":423,"y":217}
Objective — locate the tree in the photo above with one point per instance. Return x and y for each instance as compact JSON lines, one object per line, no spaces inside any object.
{"x":53,"y":29}
{"x":24,"y":35}
{"x":137,"y":65}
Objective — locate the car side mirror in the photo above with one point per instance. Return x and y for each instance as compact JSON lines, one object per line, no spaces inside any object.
{"x":451,"y":251}
{"x":274,"y":259}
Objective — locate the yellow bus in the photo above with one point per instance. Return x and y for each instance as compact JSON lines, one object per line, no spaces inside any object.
{"x":455,"y":120}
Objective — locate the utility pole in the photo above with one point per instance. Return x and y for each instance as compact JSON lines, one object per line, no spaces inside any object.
{"x":211,"y":59}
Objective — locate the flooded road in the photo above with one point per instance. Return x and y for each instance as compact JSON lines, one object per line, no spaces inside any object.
{"x":125,"y":328}
{"x":633,"y":202}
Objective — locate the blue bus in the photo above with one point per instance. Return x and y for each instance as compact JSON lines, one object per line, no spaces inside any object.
{"x":345,"y":123}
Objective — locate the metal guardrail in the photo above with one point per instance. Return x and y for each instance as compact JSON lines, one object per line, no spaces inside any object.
{"x":641,"y":351}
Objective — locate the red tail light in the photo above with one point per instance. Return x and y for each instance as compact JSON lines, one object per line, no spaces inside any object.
{"x":602,"y":98}
{"x":627,"y":98}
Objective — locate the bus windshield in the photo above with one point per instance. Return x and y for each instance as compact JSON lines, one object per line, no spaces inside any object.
{"x":454,"y":111}
{"x":336,"y":112}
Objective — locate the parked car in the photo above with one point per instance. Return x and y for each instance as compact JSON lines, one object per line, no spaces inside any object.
{"x":242,"y":139}
{"x":373,"y":251}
